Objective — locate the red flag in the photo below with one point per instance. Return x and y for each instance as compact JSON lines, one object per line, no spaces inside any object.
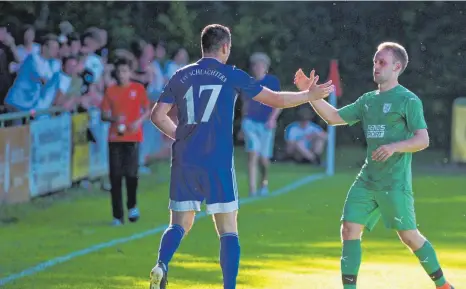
{"x":334,"y":76}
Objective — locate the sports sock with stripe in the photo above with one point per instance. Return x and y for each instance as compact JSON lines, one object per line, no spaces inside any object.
{"x":428,"y":258}
{"x":350,"y":263}
{"x":171,"y":240}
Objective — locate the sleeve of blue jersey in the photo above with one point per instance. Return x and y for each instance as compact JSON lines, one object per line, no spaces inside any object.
{"x":168,"y":93}
{"x":248,"y":87}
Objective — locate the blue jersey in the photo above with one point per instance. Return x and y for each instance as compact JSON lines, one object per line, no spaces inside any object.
{"x":258,"y":111}
{"x":205,"y":94}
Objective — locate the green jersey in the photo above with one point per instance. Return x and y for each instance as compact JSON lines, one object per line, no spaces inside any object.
{"x":386,"y":117}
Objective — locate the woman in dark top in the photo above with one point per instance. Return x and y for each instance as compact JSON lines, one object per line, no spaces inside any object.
{"x":144,"y":73}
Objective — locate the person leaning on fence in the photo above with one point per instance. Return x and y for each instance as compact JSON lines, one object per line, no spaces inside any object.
{"x":126,"y":106}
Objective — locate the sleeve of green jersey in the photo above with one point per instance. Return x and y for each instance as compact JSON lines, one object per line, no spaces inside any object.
{"x":415,"y":114}
{"x":352,"y":113}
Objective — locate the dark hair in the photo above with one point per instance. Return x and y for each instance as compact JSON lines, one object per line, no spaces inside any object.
{"x":74,"y":36}
{"x":213,"y":37}
{"x":121,"y":61}
{"x":27,"y":27}
{"x":137,"y":47}
{"x":48,"y":37}
{"x":69,"y":57}
{"x":160,"y":43}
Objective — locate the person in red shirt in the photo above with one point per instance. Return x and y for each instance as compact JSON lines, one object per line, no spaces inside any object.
{"x":125,"y":106}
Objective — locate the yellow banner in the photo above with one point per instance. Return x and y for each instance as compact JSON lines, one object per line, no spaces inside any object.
{"x":458,"y":133}
{"x":80,"y":168}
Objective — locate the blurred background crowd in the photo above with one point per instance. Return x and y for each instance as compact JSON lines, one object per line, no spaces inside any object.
{"x":59,"y":54}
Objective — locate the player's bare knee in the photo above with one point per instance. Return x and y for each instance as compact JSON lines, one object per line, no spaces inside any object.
{"x":264,"y":162}
{"x":351,"y":231}
{"x":226,"y":223}
{"x":184,"y":219}
{"x":253,"y":157}
{"x":412,"y":239}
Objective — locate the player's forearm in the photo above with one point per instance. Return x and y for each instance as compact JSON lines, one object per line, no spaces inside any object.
{"x":327,"y":112}
{"x":287,"y":99}
{"x":417,"y":143}
{"x":164,"y":124}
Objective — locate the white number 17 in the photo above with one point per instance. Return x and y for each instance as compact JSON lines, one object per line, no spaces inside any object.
{"x":189,"y":96}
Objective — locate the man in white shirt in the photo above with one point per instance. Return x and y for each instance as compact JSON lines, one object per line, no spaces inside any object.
{"x":305,"y":140}
{"x":35,"y":71}
{"x":54,"y":91}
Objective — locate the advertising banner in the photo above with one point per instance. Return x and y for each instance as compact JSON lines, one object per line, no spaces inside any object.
{"x":50,"y":154}
{"x":458,"y":134}
{"x":98,"y":150}
{"x":80,"y":164}
{"x":14,"y":164}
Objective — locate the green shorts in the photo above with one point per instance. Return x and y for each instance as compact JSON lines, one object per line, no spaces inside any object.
{"x":365,"y":207}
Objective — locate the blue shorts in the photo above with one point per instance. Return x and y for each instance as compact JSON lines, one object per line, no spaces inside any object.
{"x":258,"y":138}
{"x":191,"y":185}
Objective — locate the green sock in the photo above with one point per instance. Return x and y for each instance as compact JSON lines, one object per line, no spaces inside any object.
{"x":350,"y":263}
{"x":428,"y":258}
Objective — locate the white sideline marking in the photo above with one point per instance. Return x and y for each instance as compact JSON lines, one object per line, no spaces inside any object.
{"x":62,"y":259}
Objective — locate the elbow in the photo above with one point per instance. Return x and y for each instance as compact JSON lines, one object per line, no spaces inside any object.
{"x":334,"y":119}
{"x":425,"y":139}
{"x":153,"y":117}
{"x":425,"y":143}
{"x":331,"y":122}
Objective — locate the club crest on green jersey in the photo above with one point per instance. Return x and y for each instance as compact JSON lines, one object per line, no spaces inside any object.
{"x":386,"y":107}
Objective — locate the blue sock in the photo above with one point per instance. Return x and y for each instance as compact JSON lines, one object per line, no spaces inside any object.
{"x":229,"y":259}
{"x":170,"y":242}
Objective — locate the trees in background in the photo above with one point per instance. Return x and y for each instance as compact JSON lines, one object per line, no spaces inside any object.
{"x":295,"y":34}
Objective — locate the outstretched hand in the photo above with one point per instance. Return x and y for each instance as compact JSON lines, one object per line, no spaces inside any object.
{"x":302,"y":82}
{"x":316,"y":91}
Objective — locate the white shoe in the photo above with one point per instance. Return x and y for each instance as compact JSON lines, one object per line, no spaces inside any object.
{"x":158,"y":277}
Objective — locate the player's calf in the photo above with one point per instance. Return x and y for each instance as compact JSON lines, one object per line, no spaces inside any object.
{"x":426,"y":255}
{"x":180,"y":224}
{"x":351,"y":253}
{"x":253,"y":161}
{"x":264,"y":168}
{"x":230,"y":251}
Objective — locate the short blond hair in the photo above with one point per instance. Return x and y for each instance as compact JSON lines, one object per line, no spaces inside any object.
{"x":399,"y":52}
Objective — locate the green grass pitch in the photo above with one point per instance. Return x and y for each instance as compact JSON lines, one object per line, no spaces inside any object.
{"x":287,"y":241}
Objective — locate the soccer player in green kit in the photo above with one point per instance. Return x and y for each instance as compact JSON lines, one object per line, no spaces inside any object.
{"x":393,"y":121}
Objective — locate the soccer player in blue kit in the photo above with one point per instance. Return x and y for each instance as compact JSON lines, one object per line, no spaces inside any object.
{"x":202,"y":167}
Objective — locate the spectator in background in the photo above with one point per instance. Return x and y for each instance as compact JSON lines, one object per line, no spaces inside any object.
{"x":61,"y":88}
{"x":7,"y":56}
{"x":7,"y":44}
{"x":65,"y":49}
{"x":74,"y":43}
{"x":258,"y":125}
{"x":144,"y":54}
{"x":180,"y":59}
{"x":305,"y":140}
{"x":28,"y":47}
{"x":36,"y":70}
{"x":93,"y":67}
{"x":144,"y":74}
{"x":126,"y":106}
{"x":158,"y":67}
{"x":5,"y":77}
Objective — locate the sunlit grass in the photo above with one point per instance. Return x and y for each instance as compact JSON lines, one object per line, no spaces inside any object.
{"x":289,"y":241}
